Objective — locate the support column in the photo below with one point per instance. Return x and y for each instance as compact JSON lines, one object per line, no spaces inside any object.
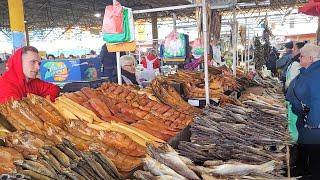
{"x":154,"y":20}
{"x":318,"y":32}
{"x":16,"y":15}
{"x":206,"y":47}
{"x":27,"y":35}
{"x":234,"y":39}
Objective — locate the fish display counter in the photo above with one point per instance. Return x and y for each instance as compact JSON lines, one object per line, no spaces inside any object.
{"x":110,"y":132}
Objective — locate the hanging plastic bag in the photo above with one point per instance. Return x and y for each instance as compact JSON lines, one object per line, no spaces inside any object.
{"x":131,"y":25}
{"x":113,"y":19}
{"x":174,"y":45}
{"x":197,"y":47}
{"x":122,"y":37}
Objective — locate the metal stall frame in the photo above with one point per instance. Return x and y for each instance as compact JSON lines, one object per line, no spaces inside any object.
{"x":205,"y":36}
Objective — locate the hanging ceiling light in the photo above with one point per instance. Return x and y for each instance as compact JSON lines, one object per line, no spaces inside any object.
{"x":97,"y":15}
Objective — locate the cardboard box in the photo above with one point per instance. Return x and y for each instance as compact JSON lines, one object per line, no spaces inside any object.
{"x":70,"y":70}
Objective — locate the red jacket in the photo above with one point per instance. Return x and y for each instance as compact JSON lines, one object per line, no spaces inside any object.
{"x":156,"y":63}
{"x":13,"y":84}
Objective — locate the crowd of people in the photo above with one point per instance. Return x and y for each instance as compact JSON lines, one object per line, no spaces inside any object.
{"x":299,"y":69}
{"x":62,"y":56}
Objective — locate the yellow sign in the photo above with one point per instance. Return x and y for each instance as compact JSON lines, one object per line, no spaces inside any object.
{"x":43,"y":54}
{"x":141,"y":30}
{"x":127,"y":46}
{"x":16,"y":15}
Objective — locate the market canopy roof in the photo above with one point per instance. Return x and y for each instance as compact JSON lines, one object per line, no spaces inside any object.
{"x":41,"y":14}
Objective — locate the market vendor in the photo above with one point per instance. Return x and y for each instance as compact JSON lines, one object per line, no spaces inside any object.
{"x":151,"y":65}
{"x":128,"y":70}
{"x":284,"y":62}
{"x":21,"y":77}
{"x":151,"y":60}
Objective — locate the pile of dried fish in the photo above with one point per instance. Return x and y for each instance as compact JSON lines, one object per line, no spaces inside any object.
{"x":193,"y":83}
{"x":165,"y":163}
{"x":269,"y":103}
{"x":65,"y":161}
{"x":14,"y":176}
{"x":247,"y":135}
{"x":43,"y":125}
{"x":7,"y":158}
{"x":168,"y":95}
{"x":268,"y":82}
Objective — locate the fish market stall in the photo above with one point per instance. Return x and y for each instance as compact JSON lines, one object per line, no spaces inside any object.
{"x":120,"y":122}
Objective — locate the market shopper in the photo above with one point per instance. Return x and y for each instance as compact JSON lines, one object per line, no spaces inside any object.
{"x":303,"y":94}
{"x":128,"y":70}
{"x":292,"y":72}
{"x":109,"y":62}
{"x":272,"y":60}
{"x":284,"y":61}
{"x":21,"y":77}
{"x":51,"y":57}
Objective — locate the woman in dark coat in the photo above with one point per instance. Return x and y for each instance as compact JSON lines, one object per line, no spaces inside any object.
{"x":303,"y":94}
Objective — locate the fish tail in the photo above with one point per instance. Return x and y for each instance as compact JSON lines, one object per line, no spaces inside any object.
{"x":268,"y":166}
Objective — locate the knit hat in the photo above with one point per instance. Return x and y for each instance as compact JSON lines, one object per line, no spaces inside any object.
{"x":289,"y":45}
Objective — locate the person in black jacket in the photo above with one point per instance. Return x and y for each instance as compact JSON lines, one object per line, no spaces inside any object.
{"x":109,"y":62}
{"x":272,"y":60}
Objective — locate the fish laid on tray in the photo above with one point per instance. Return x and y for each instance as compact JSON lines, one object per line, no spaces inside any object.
{"x":36,"y":131}
{"x":126,"y":105}
{"x":165,"y":163}
{"x":65,"y":161}
{"x":247,"y":135}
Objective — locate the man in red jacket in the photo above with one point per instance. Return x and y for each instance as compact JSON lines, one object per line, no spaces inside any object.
{"x":21,"y":77}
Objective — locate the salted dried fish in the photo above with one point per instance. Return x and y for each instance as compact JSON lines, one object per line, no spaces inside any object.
{"x":166,"y":155}
{"x":15,"y":176}
{"x":107,"y":165}
{"x":68,"y":144}
{"x":83,"y":173}
{"x":85,"y":166}
{"x":51,"y":160}
{"x":158,"y":169}
{"x":165,"y":177}
{"x":68,"y":152}
{"x":73,"y":175}
{"x":243,"y":169}
{"x":96,"y":166}
{"x":60,"y":156}
{"x":48,"y":166}
{"x":144,"y":175}
{"x":213,"y":163}
{"x":36,"y":167}
{"x":34,"y":175}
